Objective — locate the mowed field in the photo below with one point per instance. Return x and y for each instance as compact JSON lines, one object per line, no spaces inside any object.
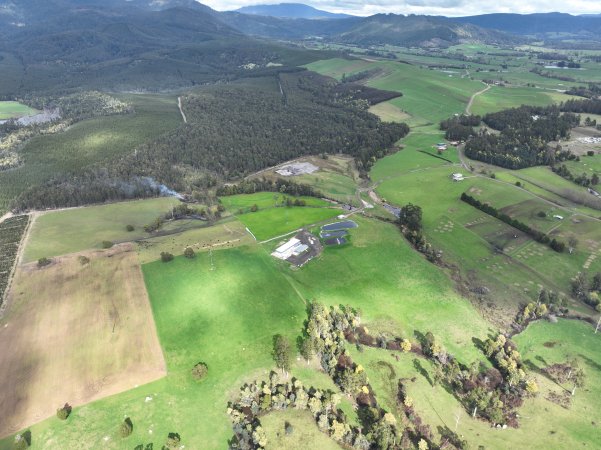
{"x":76,"y":332}
{"x":10,"y":110}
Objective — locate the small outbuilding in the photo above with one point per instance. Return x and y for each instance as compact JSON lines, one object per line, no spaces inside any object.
{"x":458,"y":177}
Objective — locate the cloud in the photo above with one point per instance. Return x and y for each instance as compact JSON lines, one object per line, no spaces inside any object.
{"x":430,"y":7}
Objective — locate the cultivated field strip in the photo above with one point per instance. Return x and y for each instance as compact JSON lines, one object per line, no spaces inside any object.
{"x":11,"y":233}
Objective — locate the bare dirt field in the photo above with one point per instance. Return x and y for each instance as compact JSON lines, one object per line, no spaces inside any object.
{"x":75,"y":332}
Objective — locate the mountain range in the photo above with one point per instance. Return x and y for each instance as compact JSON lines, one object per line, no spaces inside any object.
{"x":166,"y":44}
{"x":291,"y":11}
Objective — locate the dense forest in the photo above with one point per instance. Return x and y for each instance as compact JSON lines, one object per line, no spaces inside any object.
{"x":234,"y":130}
{"x":460,"y":128}
{"x":524,"y":137}
{"x":591,"y":106}
{"x":592,"y":91}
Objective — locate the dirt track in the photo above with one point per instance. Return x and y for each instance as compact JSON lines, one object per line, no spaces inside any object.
{"x":88,"y":333}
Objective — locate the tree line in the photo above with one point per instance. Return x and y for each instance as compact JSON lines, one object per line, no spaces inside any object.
{"x":460,"y":128}
{"x":535,"y":234}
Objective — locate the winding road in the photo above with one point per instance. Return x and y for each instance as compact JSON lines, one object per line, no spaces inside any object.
{"x":179,"y":105}
{"x":469,"y":104}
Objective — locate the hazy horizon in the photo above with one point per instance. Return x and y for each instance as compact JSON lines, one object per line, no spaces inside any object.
{"x":452,"y":8}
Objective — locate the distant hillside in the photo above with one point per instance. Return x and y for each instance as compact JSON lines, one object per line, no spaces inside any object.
{"x":423,"y":31}
{"x":290,"y":11}
{"x":125,"y":45}
{"x":534,"y":24}
{"x":378,"y":29}
{"x":286,"y":28}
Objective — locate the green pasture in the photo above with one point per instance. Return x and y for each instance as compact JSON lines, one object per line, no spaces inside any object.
{"x":272,"y":220}
{"x":89,"y":142}
{"x":498,"y":98}
{"x":264,"y":200}
{"x":336,"y":67}
{"x":10,"y":110}
{"x":412,"y":157}
{"x":397,"y":290}
{"x":587,"y":164}
{"x":428,"y":96}
{"x":468,"y":236}
{"x":227,"y":233}
{"x":71,"y":230}
{"x":207,"y":309}
{"x":331,"y":184}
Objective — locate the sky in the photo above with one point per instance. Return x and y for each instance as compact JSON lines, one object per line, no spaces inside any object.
{"x":432,"y":7}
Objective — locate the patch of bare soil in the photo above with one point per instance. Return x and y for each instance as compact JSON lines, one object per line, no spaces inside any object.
{"x":75,"y":331}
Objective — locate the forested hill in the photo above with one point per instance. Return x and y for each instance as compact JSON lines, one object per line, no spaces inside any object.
{"x":118,"y":45}
{"x":532,"y":24}
{"x":234,"y":130}
{"x":423,"y":31}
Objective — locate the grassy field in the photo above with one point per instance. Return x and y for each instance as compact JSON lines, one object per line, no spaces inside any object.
{"x":305,"y":431}
{"x":498,"y":98}
{"x":89,"y":142}
{"x":10,"y":110}
{"x":272,"y":220}
{"x":469,"y":237}
{"x":389,"y":112}
{"x":428,"y":95}
{"x":72,"y":230}
{"x":208,"y":310}
{"x":75,"y":333}
{"x":226,"y":233}
{"x":264,"y":200}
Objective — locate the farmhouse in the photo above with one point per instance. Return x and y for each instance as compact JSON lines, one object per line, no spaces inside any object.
{"x":299,"y":250}
{"x":458,"y":177}
{"x":290,"y":248}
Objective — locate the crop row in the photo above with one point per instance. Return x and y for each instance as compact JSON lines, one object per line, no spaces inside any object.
{"x":11,"y":231}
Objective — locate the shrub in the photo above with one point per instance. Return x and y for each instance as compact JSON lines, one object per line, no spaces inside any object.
{"x":518,"y":183}
{"x":166,"y":256}
{"x":83,"y":260}
{"x":288,"y":428}
{"x":43,"y":262}
{"x":173,"y":441}
{"x":64,"y":412}
{"x":130,"y":228}
{"x":189,"y":252}
{"x":107,"y":244}
{"x":254,"y":208}
{"x":541,"y":214}
{"x":126,"y":427}
{"x":22,"y":441}
{"x":199,"y":371}
{"x":591,"y":153}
